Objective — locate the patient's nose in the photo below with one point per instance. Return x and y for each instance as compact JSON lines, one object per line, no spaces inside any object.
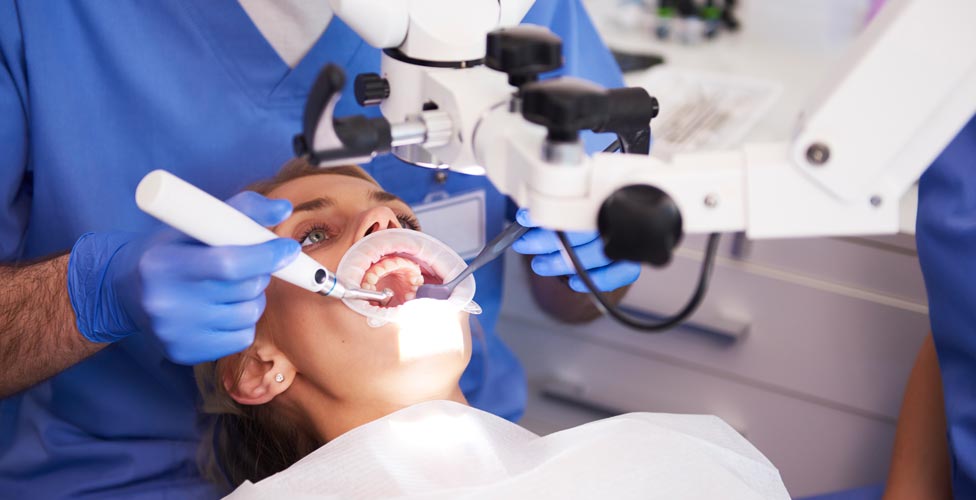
{"x":377,"y":219}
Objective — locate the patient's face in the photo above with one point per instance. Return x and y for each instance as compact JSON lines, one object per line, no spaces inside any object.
{"x":332,"y":347}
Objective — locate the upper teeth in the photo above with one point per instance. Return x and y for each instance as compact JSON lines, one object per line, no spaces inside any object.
{"x":389,"y":265}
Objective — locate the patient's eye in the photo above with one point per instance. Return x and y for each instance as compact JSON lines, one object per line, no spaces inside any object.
{"x":408,"y":221}
{"x":314,"y":236}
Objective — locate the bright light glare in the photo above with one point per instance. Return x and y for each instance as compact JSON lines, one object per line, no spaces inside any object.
{"x":428,"y":327}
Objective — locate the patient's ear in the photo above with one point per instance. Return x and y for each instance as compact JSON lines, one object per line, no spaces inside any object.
{"x":265,"y":373}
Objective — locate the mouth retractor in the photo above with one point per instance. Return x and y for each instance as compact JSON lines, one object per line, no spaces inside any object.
{"x":435,"y":256}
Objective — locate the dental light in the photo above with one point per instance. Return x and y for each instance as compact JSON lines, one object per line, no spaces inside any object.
{"x":450,"y":100}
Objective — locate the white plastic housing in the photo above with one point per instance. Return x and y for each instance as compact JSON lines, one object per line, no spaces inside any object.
{"x":449,"y":30}
{"x":209,"y":220}
{"x":381,"y":23}
{"x":513,"y":11}
{"x":431,"y":30}
{"x":464,"y":95}
{"x":905,"y":90}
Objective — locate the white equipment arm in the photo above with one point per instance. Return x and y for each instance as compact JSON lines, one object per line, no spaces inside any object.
{"x":904,"y":92}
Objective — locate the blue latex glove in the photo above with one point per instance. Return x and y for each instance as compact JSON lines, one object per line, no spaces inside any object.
{"x":200,"y":303}
{"x":543,"y":243}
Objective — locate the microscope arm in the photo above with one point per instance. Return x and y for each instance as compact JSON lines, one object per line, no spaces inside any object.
{"x":905,"y":91}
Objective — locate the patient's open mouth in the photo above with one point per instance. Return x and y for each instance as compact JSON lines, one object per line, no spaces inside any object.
{"x":401,"y":273}
{"x":401,"y":260}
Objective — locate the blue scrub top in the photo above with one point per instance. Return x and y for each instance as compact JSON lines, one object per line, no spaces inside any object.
{"x":946,"y":239}
{"x":93,"y":95}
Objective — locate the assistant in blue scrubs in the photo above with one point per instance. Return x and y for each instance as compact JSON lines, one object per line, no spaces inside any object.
{"x":946,"y":239}
{"x":95,"y":94}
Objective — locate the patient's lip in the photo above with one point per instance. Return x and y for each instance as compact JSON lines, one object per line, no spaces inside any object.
{"x":409,"y":269}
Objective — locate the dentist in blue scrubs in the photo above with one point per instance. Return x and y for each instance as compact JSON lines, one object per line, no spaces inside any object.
{"x":101,"y":309}
{"x":946,"y":239}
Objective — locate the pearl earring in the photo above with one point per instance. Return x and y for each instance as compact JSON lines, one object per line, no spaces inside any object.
{"x":279,"y":378}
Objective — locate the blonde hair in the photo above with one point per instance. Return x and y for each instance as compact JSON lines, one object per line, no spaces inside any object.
{"x":252,"y":442}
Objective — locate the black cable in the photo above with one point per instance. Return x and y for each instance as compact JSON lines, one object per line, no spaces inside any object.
{"x":708,"y":264}
{"x":601,"y":302}
{"x":613,"y":147}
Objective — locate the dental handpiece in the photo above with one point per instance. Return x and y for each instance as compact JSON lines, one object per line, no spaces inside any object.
{"x":201,"y":216}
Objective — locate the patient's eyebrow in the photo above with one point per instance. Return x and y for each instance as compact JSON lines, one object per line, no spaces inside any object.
{"x":314,"y":204}
{"x":383,"y":197}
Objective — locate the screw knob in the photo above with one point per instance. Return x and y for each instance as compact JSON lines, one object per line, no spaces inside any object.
{"x":371,"y":89}
{"x":565,"y":106}
{"x":523,"y":52}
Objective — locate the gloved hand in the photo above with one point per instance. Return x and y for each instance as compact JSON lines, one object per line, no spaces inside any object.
{"x":543,"y":243}
{"x":199,"y":303}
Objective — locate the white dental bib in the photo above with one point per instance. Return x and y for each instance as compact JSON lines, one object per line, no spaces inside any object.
{"x":447,"y":450}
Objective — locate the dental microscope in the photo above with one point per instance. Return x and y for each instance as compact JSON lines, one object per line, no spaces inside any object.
{"x":461,"y":88}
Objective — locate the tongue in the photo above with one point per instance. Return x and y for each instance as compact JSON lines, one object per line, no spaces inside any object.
{"x":403,"y":290}
{"x":399,"y":283}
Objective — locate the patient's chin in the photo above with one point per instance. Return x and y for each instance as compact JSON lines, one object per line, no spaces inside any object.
{"x":424,"y":377}
{"x":414,"y":386}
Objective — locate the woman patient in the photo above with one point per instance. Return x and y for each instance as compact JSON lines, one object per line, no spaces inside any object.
{"x":316,"y":370}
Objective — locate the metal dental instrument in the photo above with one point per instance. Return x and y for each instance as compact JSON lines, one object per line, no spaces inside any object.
{"x":492,"y":250}
{"x":211,"y":221}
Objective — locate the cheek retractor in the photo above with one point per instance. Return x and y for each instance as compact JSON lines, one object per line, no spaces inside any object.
{"x":425,"y":250}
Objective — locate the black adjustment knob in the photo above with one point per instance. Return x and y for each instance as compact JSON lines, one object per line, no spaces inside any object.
{"x":629,"y":114}
{"x":640,"y":223}
{"x":629,"y":108}
{"x":565,"y":106}
{"x":371,"y":89}
{"x":524,"y":52}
